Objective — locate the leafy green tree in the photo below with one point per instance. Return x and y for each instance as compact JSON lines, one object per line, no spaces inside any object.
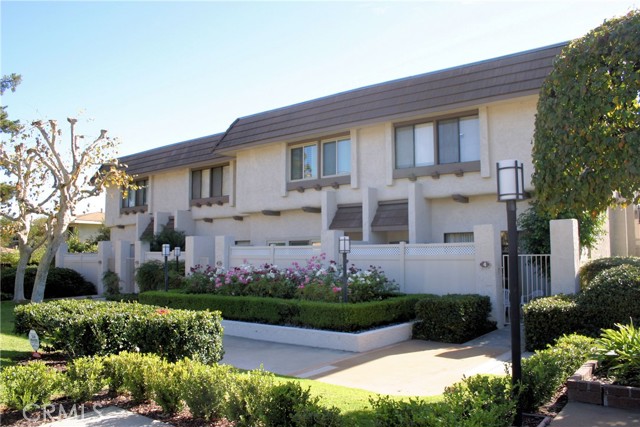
{"x":8,"y":82}
{"x":536,"y":237}
{"x":586,"y":151}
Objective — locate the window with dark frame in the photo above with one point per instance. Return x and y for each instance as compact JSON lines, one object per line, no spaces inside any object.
{"x":208,"y":183}
{"x":335,"y":159}
{"x":137,"y":197}
{"x":452,"y":140}
{"x":462,"y":237}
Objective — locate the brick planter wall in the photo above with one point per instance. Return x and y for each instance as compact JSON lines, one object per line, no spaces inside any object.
{"x":581,"y":388}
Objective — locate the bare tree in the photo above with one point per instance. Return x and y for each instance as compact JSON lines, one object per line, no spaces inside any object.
{"x":55,"y":182}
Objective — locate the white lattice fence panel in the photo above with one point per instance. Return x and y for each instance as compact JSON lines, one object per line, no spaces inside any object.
{"x":440,"y":250}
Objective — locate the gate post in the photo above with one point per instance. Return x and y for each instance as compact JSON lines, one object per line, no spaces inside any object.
{"x":565,"y":256}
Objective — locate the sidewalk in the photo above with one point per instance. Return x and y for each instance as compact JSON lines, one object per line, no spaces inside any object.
{"x":576,"y":414}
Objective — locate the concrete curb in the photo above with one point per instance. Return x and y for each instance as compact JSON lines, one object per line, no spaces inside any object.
{"x":354,"y":342}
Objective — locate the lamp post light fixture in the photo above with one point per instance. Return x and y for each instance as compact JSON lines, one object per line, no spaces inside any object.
{"x":166,"y":250}
{"x":177,"y":252}
{"x":510,"y":190}
{"x":344,"y":247}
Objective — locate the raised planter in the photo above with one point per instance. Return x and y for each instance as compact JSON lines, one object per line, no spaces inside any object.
{"x":581,"y":387}
{"x":356,"y":342}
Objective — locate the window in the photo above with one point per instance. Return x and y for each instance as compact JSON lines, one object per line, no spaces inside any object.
{"x":209,"y":183}
{"x":454,"y":140}
{"x":136,"y":197}
{"x":304,"y":162}
{"x":466,"y":237}
{"x":335,"y":159}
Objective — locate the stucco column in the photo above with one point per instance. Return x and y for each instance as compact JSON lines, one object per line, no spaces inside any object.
{"x":622,"y":231}
{"x":419,"y":225}
{"x":104,"y":254}
{"x":330,"y":241}
{"x":161,"y":220}
{"x":122,"y":249}
{"x":222,"y":251}
{"x":142,"y":222}
{"x":200,"y":250}
{"x":369,"y":208}
{"x":565,"y":256}
{"x":329,"y":207}
{"x":184,"y":222}
{"x":488,"y":269}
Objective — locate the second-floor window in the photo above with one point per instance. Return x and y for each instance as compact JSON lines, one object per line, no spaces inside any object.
{"x":335,"y":159}
{"x":454,"y":140}
{"x":210,"y":183}
{"x":137,"y":197}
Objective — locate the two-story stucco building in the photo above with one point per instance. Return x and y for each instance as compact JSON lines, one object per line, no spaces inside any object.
{"x":410,"y":160}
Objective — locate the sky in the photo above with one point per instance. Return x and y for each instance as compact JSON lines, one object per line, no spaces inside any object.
{"x":155,"y":73}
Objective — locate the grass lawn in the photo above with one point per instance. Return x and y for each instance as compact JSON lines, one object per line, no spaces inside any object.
{"x":11,"y":345}
{"x":353,"y":403}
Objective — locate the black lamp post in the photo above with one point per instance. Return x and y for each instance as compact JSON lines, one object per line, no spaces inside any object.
{"x":344,"y":248}
{"x":166,"y":250}
{"x":176,"y":251}
{"x":510,"y":190}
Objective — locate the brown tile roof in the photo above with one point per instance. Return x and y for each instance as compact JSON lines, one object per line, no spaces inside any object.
{"x":185,"y":153}
{"x":347,"y":218}
{"x":391,"y":216}
{"x":513,"y":75}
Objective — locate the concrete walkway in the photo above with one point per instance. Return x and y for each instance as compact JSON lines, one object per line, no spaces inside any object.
{"x":576,"y":414}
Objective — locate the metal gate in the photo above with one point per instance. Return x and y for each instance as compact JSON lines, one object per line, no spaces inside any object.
{"x":534,"y":277}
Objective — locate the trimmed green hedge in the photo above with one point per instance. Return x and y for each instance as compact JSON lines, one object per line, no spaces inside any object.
{"x":86,"y":327}
{"x":453,"y":318}
{"x":275,"y":311}
{"x":61,"y":282}
{"x":590,"y":270}
{"x":613,"y":296}
{"x":547,"y":319}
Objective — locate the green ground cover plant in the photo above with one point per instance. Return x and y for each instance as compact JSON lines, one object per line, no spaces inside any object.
{"x":618,"y":354}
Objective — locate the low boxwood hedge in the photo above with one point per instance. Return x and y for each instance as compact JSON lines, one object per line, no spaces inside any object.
{"x":276,"y":311}
{"x":613,"y":296}
{"x":86,"y":327}
{"x":590,"y":270}
{"x":61,"y":282}
{"x":453,"y":318}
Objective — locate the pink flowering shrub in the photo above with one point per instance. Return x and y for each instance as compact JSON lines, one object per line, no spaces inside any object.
{"x":315,"y":281}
